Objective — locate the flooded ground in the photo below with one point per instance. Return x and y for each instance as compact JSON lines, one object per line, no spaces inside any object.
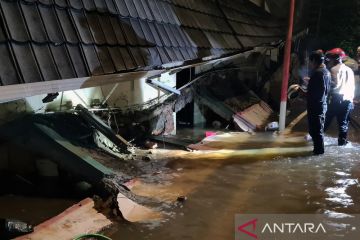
{"x":219,"y":185}
{"x":244,"y":174}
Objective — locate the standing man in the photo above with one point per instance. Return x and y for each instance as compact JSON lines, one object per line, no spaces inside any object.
{"x":317,"y":92}
{"x":341,"y":94}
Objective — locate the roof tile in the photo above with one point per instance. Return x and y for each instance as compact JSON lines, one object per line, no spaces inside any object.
{"x":61,"y":3}
{"x":111,"y":6}
{"x":14,"y":21}
{"x":171,"y":35}
{"x":155,"y":34}
{"x":8,"y":73}
{"x":147,"y":10}
{"x":89,"y":5}
{"x":155,"y":10}
{"x":178,"y":54}
{"x":138,"y":32}
{"x":164,"y":36}
{"x":49,"y":39}
{"x":32,"y":19}
{"x":63,"y":61}
{"x":117,"y":59}
{"x":92,"y":59}
{"x":163,"y":55}
{"x":77,"y":60}
{"x":131,"y":7}
{"x":185,"y":53}
{"x":105,"y":59}
{"x":171,"y":54}
{"x":82,"y":26}
{"x":108,"y":30}
{"x":67,"y":26}
{"x":128,"y":60}
{"x":3,"y":35}
{"x":101,"y":6}
{"x":155,"y":57}
{"x":147,"y":32}
{"x":52,"y":26}
{"x":140,"y":9}
{"x":92,"y":20}
{"x":76,"y":4}
{"x":47,"y":2}
{"x":129,"y":33}
{"x":118,"y":31}
{"x":27,"y":63}
{"x":138,"y":57}
{"x":162,"y":9}
{"x":46,"y":62}
{"x":122,"y":8}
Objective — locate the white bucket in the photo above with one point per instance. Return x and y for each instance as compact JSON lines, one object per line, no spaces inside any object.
{"x":47,"y":168}
{"x":273,"y":126}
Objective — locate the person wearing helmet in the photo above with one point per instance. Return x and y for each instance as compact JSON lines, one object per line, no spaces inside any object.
{"x":341,"y":94}
{"x":317,"y":91}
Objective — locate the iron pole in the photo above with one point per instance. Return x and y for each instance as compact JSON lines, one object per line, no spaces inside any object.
{"x":286,"y":67}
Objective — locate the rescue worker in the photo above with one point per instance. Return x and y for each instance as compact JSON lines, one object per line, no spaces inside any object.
{"x":341,"y":94}
{"x":317,"y":91}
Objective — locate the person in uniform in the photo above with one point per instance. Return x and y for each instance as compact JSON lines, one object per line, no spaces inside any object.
{"x":317,"y":91}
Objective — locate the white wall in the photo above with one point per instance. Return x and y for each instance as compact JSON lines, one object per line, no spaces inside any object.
{"x":126,"y":94}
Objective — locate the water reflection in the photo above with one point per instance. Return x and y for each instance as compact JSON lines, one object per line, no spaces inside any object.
{"x":268,"y":183}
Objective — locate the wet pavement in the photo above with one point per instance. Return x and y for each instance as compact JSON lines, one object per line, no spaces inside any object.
{"x":278,"y":180}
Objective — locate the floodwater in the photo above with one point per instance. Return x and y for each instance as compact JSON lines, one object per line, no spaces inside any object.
{"x":218,"y":185}
{"x":33,"y":210}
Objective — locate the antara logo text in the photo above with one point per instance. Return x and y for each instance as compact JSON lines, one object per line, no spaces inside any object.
{"x":250,"y":228}
{"x":293,"y":228}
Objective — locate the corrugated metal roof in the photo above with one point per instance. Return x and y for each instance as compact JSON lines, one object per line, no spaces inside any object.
{"x":43,"y":40}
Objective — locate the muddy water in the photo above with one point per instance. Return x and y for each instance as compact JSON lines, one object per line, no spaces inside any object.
{"x":217,"y":189}
{"x":32,"y":210}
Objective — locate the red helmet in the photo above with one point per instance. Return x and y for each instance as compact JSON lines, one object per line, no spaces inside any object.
{"x":337,"y":52}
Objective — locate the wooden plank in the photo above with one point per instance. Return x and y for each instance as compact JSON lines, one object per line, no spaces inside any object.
{"x":134,"y":212}
{"x":79,"y":219}
{"x":253,"y":117}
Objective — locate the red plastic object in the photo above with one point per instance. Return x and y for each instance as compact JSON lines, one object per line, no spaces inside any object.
{"x":209,"y":133}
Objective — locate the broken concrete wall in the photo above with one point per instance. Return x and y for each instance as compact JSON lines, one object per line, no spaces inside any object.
{"x":157,"y":119}
{"x":239,"y":80}
{"x":137,"y":102}
{"x":127,"y":94}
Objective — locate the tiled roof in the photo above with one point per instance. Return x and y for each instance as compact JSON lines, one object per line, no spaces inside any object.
{"x":42,"y":40}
